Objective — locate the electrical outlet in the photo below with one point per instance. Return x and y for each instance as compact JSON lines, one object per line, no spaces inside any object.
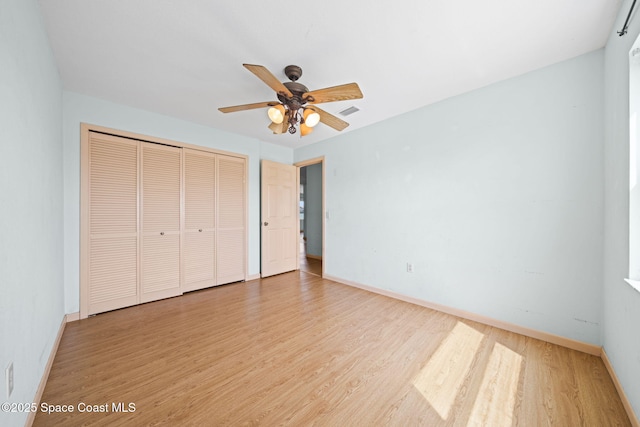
{"x":409,"y":267}
{"x":8,"y":374}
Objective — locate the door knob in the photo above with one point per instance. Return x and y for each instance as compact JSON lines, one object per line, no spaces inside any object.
{"x":200,"y":230}
{"x":266,"y":223}
{"x":162,"y":233}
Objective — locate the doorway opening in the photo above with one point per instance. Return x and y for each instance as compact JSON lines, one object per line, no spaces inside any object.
{"x":311,"y":205}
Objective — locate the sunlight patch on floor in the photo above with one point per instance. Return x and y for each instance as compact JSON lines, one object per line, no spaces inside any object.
{"x":497,"y":395}
{"x":440,"y":379}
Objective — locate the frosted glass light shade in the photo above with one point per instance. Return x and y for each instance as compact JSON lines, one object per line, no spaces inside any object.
{"x":276,"y":113}
{"x":311,"y":118}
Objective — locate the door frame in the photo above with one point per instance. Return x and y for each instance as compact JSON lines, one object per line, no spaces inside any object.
{"x":310,"y":162}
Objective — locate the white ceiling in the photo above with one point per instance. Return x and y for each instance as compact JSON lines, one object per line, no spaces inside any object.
{"x":184,"y":58}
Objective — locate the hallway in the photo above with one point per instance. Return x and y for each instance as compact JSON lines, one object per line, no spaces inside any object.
{"x":309,"y":265}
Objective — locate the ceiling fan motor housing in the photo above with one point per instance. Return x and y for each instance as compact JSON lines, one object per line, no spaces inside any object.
{"x":296,"y":101}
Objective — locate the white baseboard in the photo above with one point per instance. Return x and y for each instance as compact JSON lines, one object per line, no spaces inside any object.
{"x":625,"y":400}
{"x":72,"y":317}
{"x":47,"y":369}
{"x":533,"y":333}
{"x":252,"y":277}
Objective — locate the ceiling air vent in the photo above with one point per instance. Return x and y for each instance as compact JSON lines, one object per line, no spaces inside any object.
{"x":349,"y":110}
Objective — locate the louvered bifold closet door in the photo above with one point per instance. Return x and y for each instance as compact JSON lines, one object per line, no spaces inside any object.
{"x":199,"y":219}
{"x":231,"y":219}
{"x":160,"y":221}
{"x":112,"y":272}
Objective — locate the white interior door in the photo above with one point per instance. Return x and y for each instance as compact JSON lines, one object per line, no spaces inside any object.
{"x":279,"y":218}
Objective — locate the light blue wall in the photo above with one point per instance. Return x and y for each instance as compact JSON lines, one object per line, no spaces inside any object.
{"x":31,"y":266}
{"x":495,"y":197}
{"x":313,"y":209}
{"x":621,"y":312}
{"x":83,"y":109}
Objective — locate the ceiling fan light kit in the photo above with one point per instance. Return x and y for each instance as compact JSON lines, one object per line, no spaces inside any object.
{"x":292,"y":110}
{"x":311,"y":118}
{"x":276,"y":113}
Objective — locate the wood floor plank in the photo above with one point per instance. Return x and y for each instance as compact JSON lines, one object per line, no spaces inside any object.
{"x":296,"y":349}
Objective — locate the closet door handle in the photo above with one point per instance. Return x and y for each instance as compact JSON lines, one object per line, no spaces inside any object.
{"x":162,"y":233}
{"x":200,"y":230}
{"x":266,"y":223}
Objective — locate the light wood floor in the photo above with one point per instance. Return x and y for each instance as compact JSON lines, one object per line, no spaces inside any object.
{"x":299,"y":350}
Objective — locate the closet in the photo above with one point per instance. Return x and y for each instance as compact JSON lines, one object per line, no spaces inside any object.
{"x":157,"y":219}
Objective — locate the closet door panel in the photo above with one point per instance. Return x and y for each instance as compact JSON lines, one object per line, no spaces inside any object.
{"x":160,"y":207}
{"x":231,"y":219}
{"x":160,"y":187}
{"x":200,"y":189}
{"x":200,"y":220}
{"x":112,"y":272}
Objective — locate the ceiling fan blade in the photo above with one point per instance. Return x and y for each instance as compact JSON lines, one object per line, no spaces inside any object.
{"x":329,"y":119}
{"x":272,"y":81}
{"x":247,"y":106}
{"x":335,"y":93}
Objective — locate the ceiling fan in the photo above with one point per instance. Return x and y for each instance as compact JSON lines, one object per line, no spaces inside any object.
{"x":297,"y":104}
